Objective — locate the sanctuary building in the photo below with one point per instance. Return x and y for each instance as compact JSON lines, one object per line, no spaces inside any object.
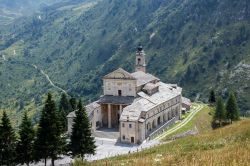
{"x":137,"y":104}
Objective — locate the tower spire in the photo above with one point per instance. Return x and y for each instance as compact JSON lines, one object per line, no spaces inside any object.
{"x":140,"y":61}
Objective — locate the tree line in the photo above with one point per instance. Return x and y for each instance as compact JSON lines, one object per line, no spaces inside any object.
{"x":225,"y":113}
{"x":49,"y":139}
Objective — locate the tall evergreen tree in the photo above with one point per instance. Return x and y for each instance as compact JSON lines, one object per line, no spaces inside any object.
{"x":64,"y":109}
{"x":212,"y":98}
{"x":220,"y":112}
{"x":65,"y":104}
{"x":232,"y":109}
{"x":7,"y":142}
{"x":49,"y":142}
{"x":73,"y":103}
{"x":24,"y":147}
{"x":82,"y":142}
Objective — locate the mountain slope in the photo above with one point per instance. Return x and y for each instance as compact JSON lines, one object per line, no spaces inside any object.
{"x":11,"y":10}
{"x":200,"y":44}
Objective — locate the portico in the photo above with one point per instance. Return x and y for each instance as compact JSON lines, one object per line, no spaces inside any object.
{"x":111,"y":109}
{"x":110,"y":115}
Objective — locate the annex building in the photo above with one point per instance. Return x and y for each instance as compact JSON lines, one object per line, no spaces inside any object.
{"x":136,"y":104}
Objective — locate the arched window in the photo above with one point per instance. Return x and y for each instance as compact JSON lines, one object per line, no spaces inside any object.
{"x":159,"y":120}
{"x":138,"y":61}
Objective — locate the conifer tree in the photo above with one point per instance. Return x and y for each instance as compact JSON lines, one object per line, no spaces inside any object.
{"x":232,"y":109}
{"x":64,"y":109}
{"x":212,"y":98}
{"x":73,"y":103}
{"x":49,"y":142}
{"x":7,"y":142}
{"x":24,"y":147}
{"x":82,"y":142}
{"x":220,"y":111}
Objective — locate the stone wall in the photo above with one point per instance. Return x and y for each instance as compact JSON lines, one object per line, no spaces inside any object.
{"x":128,"y":130}
{"x":155,"y":118}
{"x":127,"y":87}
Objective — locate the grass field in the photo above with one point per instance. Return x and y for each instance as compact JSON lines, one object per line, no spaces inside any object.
{"x":225,"y":146}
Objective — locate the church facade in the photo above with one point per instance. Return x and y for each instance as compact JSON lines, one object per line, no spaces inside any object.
{"x":137,"y":104}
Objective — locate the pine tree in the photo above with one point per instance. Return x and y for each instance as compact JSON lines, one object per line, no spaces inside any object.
{"x":212,"y":98}
{"x":49,"y":142}
{"x":220,"y":111}
{"x":24,"y":147}
{"x":232,"y":109}
{"x":82,"y":142}
{"x":7,"y":142}
{"x":65,"y":104}
{"x":73,"y":103}
{"x":64,"y":109}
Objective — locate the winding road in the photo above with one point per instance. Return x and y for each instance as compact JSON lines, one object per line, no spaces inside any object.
{"x":40,"y":70}
{"x":196,"y":108}
{"x":50,"y":81}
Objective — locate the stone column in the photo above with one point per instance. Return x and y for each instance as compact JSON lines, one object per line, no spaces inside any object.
{"x":120,"y":109}
{"x":109,"y":116}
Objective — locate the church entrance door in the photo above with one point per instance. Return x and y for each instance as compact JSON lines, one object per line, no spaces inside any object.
{"x":132,"y":140}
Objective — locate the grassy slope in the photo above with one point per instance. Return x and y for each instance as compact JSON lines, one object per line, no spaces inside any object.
{"x":225,"y":146}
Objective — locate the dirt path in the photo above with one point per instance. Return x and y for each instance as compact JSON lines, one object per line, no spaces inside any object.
{"x":48,"y":78}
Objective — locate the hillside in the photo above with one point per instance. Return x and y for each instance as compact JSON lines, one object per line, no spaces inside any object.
{"x":199,"y":44}
{"x":11,"y":10}
{"x":224,"y":146}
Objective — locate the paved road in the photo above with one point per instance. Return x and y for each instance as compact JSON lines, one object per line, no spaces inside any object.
{"x":196,"y":108}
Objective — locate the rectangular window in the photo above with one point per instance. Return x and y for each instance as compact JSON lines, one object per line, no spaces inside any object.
{"x":123,"y":125}
{"x":123,"y":137}
{"x":130,"y":125}
{"x":119,"y":92}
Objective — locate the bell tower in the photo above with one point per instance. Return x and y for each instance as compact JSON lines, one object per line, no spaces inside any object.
{"x":140,"y":61}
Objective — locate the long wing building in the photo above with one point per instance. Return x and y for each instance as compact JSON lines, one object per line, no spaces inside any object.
{"x":137,"y":104}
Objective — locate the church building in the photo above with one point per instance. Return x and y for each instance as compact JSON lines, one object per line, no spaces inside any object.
{"x":137,"y":104}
